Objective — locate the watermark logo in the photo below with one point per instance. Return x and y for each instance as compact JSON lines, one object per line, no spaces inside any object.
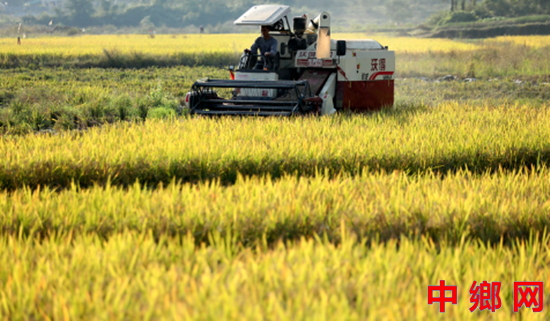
{"x":530,"y":294}
{"x":485,"y":296}
{"x":442,"y":299}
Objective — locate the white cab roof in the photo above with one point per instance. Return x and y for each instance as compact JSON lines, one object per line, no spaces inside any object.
{"x":364,"y":44}
{"x":267,"y":14}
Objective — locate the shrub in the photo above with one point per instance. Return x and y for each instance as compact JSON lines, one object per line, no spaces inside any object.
{"x":73,"y":32}
{"x":160,"y":98}
{"x":434,"y":20}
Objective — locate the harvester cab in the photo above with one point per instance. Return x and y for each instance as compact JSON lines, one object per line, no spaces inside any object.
{"x":311,"y":73}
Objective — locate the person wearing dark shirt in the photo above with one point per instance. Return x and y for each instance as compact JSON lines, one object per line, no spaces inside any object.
{"x":267,"y":46}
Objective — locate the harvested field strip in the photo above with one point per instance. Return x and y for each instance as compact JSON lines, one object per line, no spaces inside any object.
{"x":487,"y":207}
{"x":134,"y":276}
{"x":59,"y":99}
{"x":443,"y":139}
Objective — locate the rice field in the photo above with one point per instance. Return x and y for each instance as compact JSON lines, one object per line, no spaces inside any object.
{"x":195,"y":43}
{"x":229,"y":43}
{"x":115,"y":204}
{"x":380,"y":206}
{"x":500,"y":57}
{"x":138,"y":276}
{"x":443,"y":139}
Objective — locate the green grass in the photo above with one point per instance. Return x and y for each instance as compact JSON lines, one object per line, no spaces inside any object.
{"x":60,"y":99}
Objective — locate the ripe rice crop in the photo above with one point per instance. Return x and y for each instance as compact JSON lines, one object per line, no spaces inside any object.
{"x":193,"y":43}
{"x":379,"y":206}
{"x":123,"y":51}
{"x":144,"y":212}
{"x":138,"y":276}
{"x":530,"y":41}
{"x":447,"y":138}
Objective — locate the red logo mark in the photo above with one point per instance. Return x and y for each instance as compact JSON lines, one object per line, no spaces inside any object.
{"x":382,"y":64}
{"x":525,"y":293}
{"x":442,"y":299}
{"x":485,"y":296}
{"x":374,"y":65}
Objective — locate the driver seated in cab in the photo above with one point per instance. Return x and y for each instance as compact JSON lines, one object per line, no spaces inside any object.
{"x":268,"y":49}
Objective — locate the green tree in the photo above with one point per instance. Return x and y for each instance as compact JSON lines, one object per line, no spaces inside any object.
{"x":499,"y":7}
{"x":80,"y":12}
{"x":454,"y":4}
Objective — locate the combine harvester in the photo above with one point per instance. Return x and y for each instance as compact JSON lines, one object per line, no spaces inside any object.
{"x":311,"y":73}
